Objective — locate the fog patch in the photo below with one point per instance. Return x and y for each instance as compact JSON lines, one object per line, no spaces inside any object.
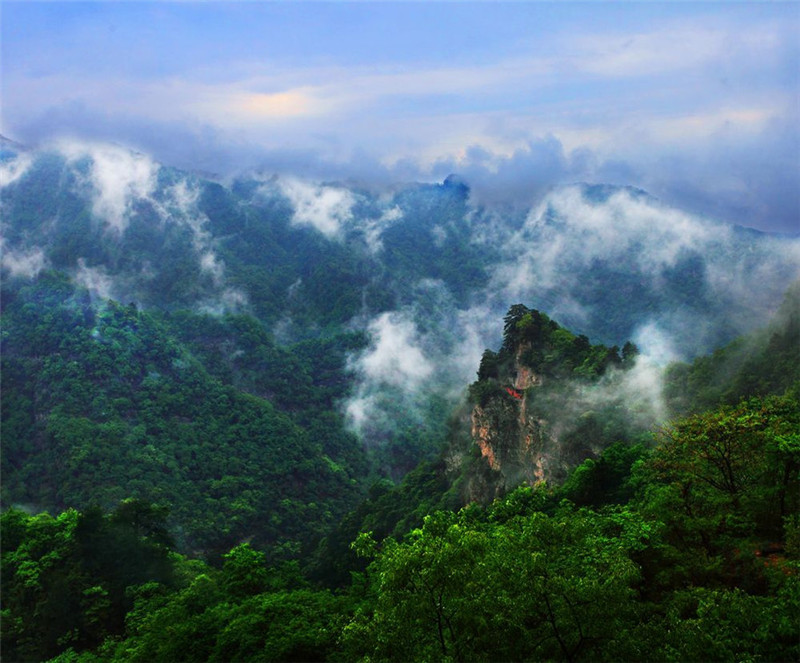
{"x":394,"y":356}
{"x":180,"y":205}
{"x":95,"y":279}
{"x":373,"y":228}
{"x":394,"y":361}
{"x":229,"y":300}
{"x":704,"y":281}
{"x":424,"y":354}
{"x":14,"y":168}
{"x":26,"y":264}
{"x":118,"y":178}
{"x":325,"y":208}
{"x":569,"y":228}
{"x":656,"y":344}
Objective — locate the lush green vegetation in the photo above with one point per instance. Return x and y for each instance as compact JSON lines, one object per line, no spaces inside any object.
{"x":209,"y":503}
{"x":767,"y":361}
{"x":685,"y":549}
{"x":102,"y":405}
{"x":688,"y":552}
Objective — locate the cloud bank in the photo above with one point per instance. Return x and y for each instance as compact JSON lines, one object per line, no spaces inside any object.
{"x":697,"y":104}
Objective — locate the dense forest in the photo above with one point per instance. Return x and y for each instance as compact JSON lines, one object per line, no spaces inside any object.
{"x":685,"y":548}
{"x":232,"y":432}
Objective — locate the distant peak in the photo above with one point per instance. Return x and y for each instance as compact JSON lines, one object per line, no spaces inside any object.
{"x":602,"y":192}
{"x":456,"y":183}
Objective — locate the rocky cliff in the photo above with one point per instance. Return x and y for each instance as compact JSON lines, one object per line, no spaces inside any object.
{"x":527,"y":423}
{"x":511,"y":439}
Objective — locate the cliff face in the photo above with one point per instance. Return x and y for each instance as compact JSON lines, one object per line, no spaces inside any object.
{"x":528,"y":423}
{"x":509,"y":438}
{"x":510,"y":443}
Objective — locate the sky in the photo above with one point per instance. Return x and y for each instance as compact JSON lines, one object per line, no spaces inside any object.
{"x":696,"y":103}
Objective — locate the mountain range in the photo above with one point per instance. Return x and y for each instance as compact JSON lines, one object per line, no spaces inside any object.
{"x":276,"y":419}
{"x":148,"y":310}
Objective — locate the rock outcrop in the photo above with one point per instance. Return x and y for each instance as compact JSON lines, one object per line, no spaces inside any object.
{"x":528,"y":423}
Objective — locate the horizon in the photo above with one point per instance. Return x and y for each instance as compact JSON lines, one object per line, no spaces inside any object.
{"x":696,"y":104}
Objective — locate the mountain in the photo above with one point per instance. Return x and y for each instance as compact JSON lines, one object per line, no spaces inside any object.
{"x":305,"y":339}
{"x":545,"y":402}
{"x":105,"y":403}
{"x":607,"y":261}
{"x":251,"y":408}
{"x":552,"y":411}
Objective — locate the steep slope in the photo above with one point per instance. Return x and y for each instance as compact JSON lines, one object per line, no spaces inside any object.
{"x":766,"y":361}
{"x":544,"y":402}
{"x":102,"y":404}
{"x":339,"y":310}
{"x":549,"y":405}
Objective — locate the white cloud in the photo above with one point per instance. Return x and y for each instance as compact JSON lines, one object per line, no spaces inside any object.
{"x":393,"y":369}
{"x":656,"y":344}
{"x":325,"y":208}
{"x":22,"y":263}
{"x":118,"y":178}
{"x":373,"y":228}
{"x":395,"y":356}
{"x":12,"y":169}
{"x":95,"y":279}
{"x":568,"y":230}
{"x":668,"y":49}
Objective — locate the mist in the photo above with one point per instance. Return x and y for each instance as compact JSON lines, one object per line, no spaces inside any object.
{"x":613,"y":263}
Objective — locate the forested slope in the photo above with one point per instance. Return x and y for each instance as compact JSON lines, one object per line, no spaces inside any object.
{"x":681,"y":570}
{"x":105,"y":404}
{"x":215,"y":388}
{"x":683,"y":548}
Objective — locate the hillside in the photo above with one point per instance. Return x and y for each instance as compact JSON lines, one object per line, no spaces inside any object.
{"x":549,"y":409}
{"x":681,"y":545}
{"x":234,"y":381}
{"x":333,"y":328}
{"x":104,"y":403}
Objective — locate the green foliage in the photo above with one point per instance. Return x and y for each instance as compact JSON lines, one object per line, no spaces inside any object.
{"x":763,"y":363}
{"x":484,"y":391}
{"x":204,"y":429}
{"x":388,"y":511}
{"x":693,"y":568}
{"x":65,"y":578}
{"x":606,"y":480}
{"x":551,"y":350}
{"x":107,"y":405}
{"x":489,"y":366}
{"x":535,"y":587}
{"x":727,"y":474}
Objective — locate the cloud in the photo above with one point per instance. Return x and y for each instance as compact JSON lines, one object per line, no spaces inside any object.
{"x":180,"y":205}
{"x":394,"y":356}
{"x":655,"y":344}
{"x":694,"y":124}
{"x":95,"y":279}
{"x":118,"y":178}
{"x":121,"y":187}
{"x":291,"y":103}
{"x":15,"y":167}
{"x":373,"y":228}
{"x":424,"y":354}
{"x":676,"y":47}
{"x":394,"y":362}
{"x":641,"y":245}
{"x":325,"y":208}
{"x":24,"y":263}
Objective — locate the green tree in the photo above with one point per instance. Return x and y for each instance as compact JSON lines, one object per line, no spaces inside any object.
{"x":533,"y":587}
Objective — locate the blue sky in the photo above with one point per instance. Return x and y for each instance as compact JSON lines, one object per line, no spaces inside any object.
{"x":695,"y":102}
